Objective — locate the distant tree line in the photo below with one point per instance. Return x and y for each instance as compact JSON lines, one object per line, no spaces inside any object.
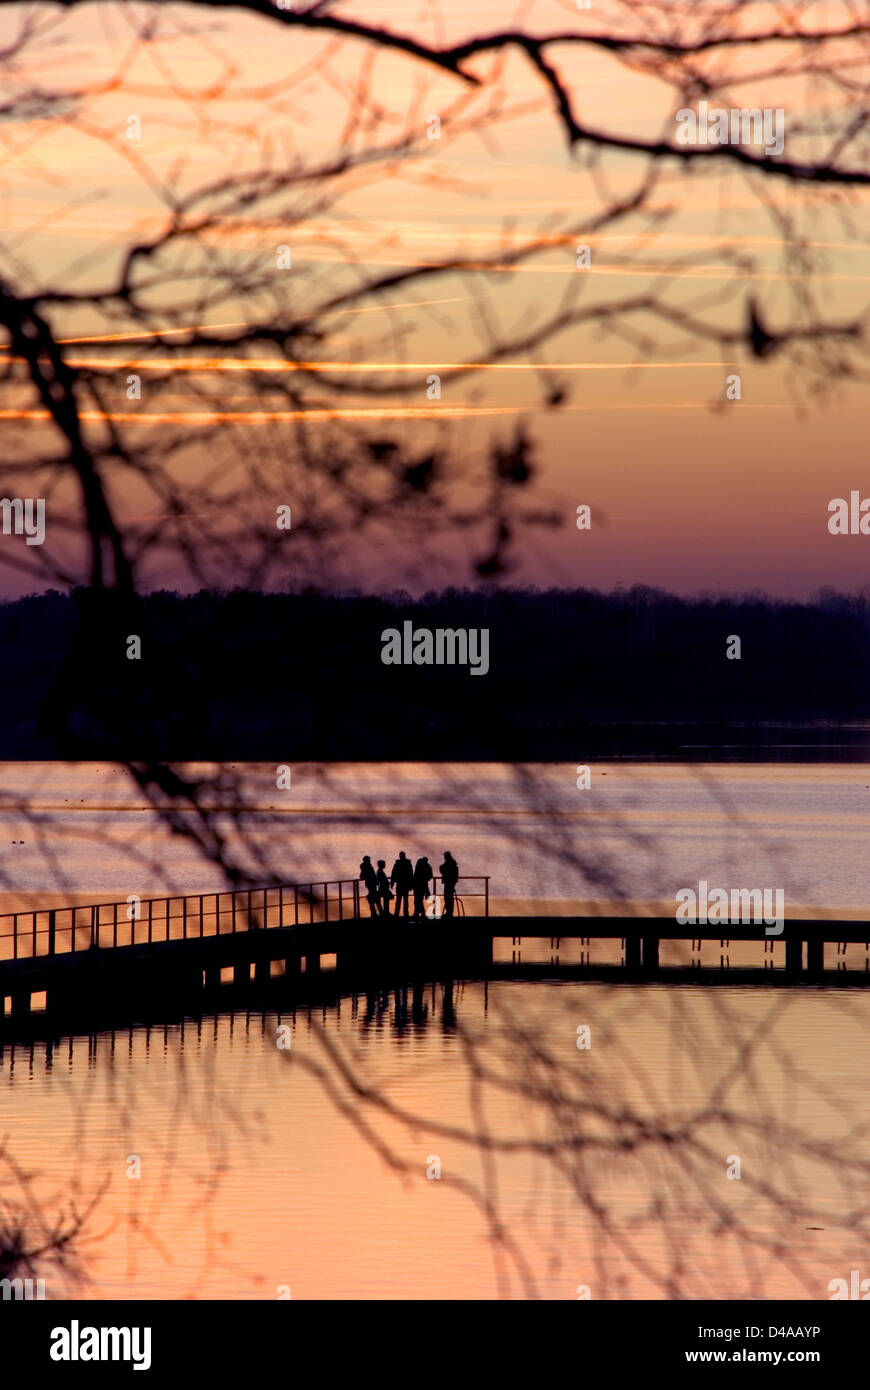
{"x":250,"y":675}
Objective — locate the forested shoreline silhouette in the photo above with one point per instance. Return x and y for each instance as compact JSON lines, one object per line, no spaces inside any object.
{"x":254,"y":675}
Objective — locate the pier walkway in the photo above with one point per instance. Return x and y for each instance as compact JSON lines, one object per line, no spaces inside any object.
{"x":143,"y":957}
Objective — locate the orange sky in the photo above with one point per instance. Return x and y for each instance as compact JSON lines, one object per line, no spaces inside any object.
{"x":687,"y":492}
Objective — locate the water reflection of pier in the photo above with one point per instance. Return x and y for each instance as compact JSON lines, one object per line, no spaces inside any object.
{"x":404,"y":1012}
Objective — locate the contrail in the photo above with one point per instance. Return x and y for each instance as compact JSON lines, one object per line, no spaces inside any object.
{"x":245,"y":323}
{"x":264,"y":417}
{"x":280,"y":364}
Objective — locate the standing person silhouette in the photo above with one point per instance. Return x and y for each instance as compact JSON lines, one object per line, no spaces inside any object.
{"x":402,"y":878}
{"x":384,"y":890}
{"x":422,"y":879}
{"x":449,"y":872}
{"x":370,"y":879}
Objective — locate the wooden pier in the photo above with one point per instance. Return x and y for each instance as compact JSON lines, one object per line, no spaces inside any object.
{"x":138,"y":960}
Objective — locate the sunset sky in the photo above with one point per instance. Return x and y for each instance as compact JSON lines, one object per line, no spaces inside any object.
{"x":688,"y":491}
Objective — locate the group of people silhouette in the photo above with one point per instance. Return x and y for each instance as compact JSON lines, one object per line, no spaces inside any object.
{"x":404,"y":878}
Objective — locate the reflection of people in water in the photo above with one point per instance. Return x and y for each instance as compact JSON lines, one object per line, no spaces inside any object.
{"x":370,"y":879}
{"x":422,"y":879}
{"x":384,"y":890}
{"x":402,"y":879}
{"x":449,"y":872}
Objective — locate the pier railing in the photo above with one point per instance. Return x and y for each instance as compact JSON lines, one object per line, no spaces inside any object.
{"x":143,"y":921}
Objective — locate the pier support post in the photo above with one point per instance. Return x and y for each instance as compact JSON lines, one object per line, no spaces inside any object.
{"x":242,"y":973}
{"x":20,"y":1002}
{"x":213,"y":977}
{"x":478,"y":953}
{"x":262,"y":972}
{"x":815,"y":956}
{"x":632,"y":953}
{"x":312,"y":963}
{"x":650,"y":953}
{"x":794,"y":955}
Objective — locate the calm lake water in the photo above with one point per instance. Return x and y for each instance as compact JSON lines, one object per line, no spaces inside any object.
{"x":312,"y":1168}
